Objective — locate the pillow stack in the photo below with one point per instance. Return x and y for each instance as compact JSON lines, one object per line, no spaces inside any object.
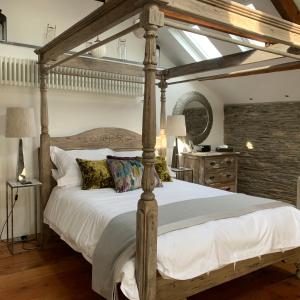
{"x":104,"y":168}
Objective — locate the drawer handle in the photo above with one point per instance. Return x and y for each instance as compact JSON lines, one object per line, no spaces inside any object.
{"x":228,"y":175}
{"x":212,"y":177}
{"x":228,"y":162}
{"x":212,"y":163}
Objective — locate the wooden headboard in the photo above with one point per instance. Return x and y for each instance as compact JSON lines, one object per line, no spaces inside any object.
{"x":114,"y":138}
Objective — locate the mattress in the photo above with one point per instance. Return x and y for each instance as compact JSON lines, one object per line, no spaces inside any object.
{"x":80,"y":217}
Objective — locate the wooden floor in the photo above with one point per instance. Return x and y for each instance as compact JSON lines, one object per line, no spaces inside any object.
{"x":59,"y":273}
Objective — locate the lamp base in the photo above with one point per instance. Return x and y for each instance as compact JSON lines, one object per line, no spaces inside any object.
{"x":21,"y":174}
{"x":175,"y":156}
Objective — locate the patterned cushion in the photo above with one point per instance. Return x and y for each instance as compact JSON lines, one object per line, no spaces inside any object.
{"x":127,"y":173}
{"x":162,"y":169}
{"x":95,"y":174}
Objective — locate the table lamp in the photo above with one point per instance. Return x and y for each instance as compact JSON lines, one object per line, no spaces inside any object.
{"x":176,"y":127}
{"x":20,"y":123}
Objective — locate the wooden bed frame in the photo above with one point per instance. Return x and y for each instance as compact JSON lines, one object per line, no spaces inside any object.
{"x":283,"y":40}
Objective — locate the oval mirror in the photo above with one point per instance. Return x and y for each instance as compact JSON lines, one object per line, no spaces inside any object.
{"x":198,"y":116}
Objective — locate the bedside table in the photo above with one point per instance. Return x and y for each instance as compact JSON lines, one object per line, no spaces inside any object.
{"x":185,"y":174}
{"x":11,"y":201}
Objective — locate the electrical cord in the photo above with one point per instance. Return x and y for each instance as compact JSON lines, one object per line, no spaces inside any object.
{"x":6,"y":224}
{"x":11,"y":210}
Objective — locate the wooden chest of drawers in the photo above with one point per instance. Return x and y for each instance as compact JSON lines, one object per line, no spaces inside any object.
{"x":214,"y":169}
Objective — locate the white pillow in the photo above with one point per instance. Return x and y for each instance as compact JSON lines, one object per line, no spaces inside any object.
{"x":68,"y":170}
{"x":55,"y":174}
{"x":137,"y":153}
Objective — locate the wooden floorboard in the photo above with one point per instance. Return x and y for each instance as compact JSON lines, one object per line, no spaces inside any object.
{"x":58,"y":273}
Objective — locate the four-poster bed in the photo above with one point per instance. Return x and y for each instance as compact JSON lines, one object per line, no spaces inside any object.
{"x":225,"y":16}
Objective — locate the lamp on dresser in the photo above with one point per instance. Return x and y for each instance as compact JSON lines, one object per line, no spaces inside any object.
{"x":176,"y":128}
{"x":20,"y":123}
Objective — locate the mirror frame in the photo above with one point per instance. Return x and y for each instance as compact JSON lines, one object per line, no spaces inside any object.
{"x":187,"y":98}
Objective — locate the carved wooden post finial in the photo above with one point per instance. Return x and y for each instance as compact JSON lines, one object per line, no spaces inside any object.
{"x":163,"y":116}
{"x":146,"y":249}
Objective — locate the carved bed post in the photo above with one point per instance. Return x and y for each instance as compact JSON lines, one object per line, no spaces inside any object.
{"x":163,"y":116}
{"x":45,"y":168}
{"x":146,"y":246}
{"x":298,"y":194}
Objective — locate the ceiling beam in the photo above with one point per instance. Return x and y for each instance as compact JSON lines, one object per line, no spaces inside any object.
{"x":231,"y":17}
{"x":262,"y":70}
{"x":102,"y":19}
{"x":249,"y":72}
{"x":232,"y":60}
{"x":288,"y":10}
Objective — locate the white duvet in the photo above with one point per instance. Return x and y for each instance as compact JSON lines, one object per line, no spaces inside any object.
{"x":79,"y":217}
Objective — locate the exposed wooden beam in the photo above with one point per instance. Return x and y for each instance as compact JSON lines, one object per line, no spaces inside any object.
{"x":102,"y":19}
{"x":249,"y":72}
{"x":232,"y":60}
{"x":262,"y":70}
{"x":231,"y":17}
{"x":288,"y":10}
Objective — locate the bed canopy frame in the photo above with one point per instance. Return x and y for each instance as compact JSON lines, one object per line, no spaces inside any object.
{"x":282,"y":39}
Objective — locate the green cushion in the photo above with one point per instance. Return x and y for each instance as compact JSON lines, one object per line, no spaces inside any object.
{"x":95,"y":174}
{"x":162,"y":169}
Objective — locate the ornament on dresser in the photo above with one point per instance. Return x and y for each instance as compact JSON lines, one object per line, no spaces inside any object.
{"x":202,"y":148}
{"x":224,"y":148}
{"x":3,"y":27}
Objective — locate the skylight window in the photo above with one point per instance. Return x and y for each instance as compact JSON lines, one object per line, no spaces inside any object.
{"x":203,"y":44}
{"x":199,"y":47}
{"x":251,"y":5}
{"x":242,"y":39}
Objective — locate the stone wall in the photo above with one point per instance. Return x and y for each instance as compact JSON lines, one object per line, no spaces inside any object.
{"x":271,"y":168}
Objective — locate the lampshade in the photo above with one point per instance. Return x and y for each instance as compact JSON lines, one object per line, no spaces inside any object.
{"x":176,"y":125}
{"x":20,"y":122}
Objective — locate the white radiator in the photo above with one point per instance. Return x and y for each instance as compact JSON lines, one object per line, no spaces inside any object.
{"x":25,"y":72}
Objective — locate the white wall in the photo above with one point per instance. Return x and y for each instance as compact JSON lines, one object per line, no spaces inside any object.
{"x":71,"y":112}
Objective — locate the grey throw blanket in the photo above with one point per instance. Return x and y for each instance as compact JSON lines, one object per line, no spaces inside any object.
{"x":117,"y":243}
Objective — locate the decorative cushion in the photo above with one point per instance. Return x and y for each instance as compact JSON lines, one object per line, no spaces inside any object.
{"x":127,"y":173}
{"x":68,"y":172}
{"x":95,"y":174}
{"x":162,"y":169}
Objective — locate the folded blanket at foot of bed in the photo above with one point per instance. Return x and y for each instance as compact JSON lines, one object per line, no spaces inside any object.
{"x":118,"y":241}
